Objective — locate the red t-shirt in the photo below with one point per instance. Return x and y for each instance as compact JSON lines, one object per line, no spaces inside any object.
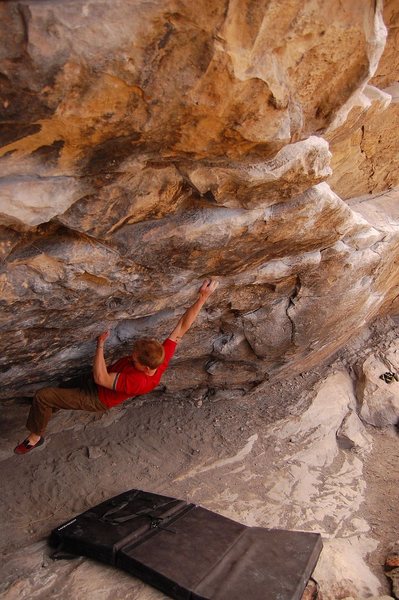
{"x":132,"y":382}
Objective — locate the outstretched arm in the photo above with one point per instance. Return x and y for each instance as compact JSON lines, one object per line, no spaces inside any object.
{"x":100,"y":372}
{"x":185,"y":322}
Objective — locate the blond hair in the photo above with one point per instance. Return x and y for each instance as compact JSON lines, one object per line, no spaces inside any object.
{"x":150,"y":353}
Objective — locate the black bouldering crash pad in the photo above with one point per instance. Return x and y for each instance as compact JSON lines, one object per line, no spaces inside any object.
{"x":189,"y":552}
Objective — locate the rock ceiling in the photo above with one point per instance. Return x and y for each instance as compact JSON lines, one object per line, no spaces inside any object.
{"x":145,"y":146}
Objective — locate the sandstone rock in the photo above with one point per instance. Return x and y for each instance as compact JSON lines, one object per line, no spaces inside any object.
{"x":362,"y":139}
{"x":145,"y":146}
{"x":365,"y":148}
{"x":310,"y":470}
{"x":388,"y":67}
{"x":301,"y":61}
{"x":139,"y":192}
{"x":69,"y":286}
{"x":94,"y":452}
{"x":293,"y":170}
{"x":343,"y":556}
{"x":31,"y":201}
{"x":180,"y":142}
{"x":8,"y":240}
{"x":379,"y":401}
{"x":186,"y":79}
{"x":352,"y":433}
{"x":269,"y":329}
{"x":226,"y":241}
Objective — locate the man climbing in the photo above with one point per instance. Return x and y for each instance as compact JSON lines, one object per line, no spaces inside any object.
{"x":130,"y":376}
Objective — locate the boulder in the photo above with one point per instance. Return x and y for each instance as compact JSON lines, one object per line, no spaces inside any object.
{"x":353,"y":434}
{"x":379,"y":401}
{"x":145,"y":147}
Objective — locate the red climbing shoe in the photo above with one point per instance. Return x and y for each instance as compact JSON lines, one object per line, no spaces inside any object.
{"x":26,"y":446}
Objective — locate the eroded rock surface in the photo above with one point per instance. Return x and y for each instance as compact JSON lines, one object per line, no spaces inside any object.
{"x":379,"y":398}
{"x":145,"y":147}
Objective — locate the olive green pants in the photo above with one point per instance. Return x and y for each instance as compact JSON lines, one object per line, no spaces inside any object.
{"x":48,"y":400}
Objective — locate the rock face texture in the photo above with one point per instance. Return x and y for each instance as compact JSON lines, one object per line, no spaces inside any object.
{"x":379,"y":399}
{"x":145,"y":146}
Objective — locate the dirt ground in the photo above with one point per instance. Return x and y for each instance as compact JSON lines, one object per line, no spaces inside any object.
{"x":192,"y":446}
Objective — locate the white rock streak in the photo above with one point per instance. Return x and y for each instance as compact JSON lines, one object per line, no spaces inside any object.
{"x":33,"y":201}
{"x":223,"y":461}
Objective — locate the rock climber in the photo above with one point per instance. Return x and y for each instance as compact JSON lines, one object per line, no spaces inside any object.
{"x":133,"y":375}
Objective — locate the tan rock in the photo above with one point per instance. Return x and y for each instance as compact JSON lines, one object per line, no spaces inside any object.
{"x":140,"y":192}
{"x":181,"y":79}
{"x":313,"y":466}
{"x":365,"y":147}
{"x":379,"y":400}
{"x":31,"y":201}
{"x":209,"y":239}
{"x":362,"y":137}
{"x":289,"y":309}
{"x":182,"y":141}
{"x":353,"y":434}
{"x":293,"y":170}
{"x":388,"y":66}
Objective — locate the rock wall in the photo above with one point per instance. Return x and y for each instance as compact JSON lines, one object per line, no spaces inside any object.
{"x":147,"y":146}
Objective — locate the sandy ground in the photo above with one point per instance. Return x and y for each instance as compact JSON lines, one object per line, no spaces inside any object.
{"x":227,"y":451}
